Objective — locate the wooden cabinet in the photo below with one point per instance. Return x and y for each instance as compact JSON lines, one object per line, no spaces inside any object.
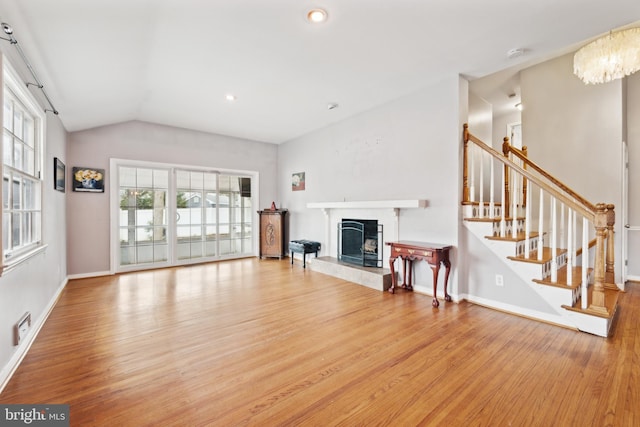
{"x":273,"y":233}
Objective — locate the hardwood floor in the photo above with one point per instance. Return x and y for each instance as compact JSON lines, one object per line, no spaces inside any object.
{"x":252,"y":342}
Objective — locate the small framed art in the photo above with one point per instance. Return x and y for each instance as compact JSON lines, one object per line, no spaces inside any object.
{"x":59,"y":177}
{"x":88,"y":180}
{"x":298,"y":181}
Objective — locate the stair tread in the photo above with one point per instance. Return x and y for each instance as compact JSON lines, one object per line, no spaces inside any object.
{"x":533,"y":256}
{"x":576,"y":278}
{"x":477,"y":203}
{"x":610,"y":302}
{"x":493,"y":219}
{"x":519,"y":237}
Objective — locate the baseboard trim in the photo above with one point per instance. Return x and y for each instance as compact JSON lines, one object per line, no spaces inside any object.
{"x":549,"y":318}
{"x":89,"y":275}
{"x":10,"y":368}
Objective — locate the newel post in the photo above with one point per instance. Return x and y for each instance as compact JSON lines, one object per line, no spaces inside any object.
{"x":465,"y":164}
{"x":597,"y":302}
{"x":609,"y":275}
{"x":505,"y":151}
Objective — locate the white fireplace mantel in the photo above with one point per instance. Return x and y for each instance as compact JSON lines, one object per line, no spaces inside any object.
{"x":393,"y":208}
{"x":373,"y":204}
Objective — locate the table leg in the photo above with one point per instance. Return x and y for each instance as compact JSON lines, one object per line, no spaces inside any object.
{"x":404,"y":271}
{"x":409,"y":285}
{"x":394,"y":279}
{"x":435,"y":301}
{"x":447,"y":265}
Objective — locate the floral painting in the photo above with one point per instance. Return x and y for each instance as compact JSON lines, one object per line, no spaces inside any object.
{"x":88,"y":180}
{"x":297,"y":181}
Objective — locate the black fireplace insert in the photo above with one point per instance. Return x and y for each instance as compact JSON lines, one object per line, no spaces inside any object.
{"x":360,"y":242}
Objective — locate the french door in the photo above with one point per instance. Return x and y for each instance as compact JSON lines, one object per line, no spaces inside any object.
{"x":167,"y":216}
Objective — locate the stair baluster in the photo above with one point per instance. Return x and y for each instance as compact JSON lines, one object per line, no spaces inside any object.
{"x":541,"y":225}
{"x":570,"y":251}
{"x":585,"y":262}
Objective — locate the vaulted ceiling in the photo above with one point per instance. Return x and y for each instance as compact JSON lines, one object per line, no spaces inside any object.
{"x":174,"y":61}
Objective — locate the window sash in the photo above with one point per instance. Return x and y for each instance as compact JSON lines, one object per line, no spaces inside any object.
{"x":21,"y":170}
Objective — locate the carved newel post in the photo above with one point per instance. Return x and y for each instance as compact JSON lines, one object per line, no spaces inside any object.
{"x":597,"y":301}
{"x":609,"y":275}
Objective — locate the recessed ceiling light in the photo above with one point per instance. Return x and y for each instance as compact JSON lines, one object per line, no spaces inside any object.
{"x":316,"y":16}
{"x":332,"y":105}
{"x":230,"y":97}
{"x":519,"y":106}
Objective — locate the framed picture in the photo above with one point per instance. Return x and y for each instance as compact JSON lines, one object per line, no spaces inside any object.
{"x":58,"y":175}
{"x":89,"y":180}
{"x":297,"y":181}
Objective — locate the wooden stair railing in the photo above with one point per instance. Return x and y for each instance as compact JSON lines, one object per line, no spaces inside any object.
{"x":518,"y":174}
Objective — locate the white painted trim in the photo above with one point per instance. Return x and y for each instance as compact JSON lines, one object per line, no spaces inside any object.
{"x":519,"y":311}
{"x":88,"y":275}
{"x":379,"y":204}
{"x":14,"y":362}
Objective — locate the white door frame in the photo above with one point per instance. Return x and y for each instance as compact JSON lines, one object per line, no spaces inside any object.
{"x":626,"y":226}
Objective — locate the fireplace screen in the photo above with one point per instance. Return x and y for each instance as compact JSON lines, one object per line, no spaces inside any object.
{"x":360,"y":241}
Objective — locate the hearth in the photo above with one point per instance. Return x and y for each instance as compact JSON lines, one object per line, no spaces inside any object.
{"x":360,"y":242}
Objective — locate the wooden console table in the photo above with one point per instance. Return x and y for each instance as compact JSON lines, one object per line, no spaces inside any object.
{"x":433,"y":253}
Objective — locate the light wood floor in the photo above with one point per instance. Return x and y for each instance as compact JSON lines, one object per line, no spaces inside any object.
{"x":252,"y":342}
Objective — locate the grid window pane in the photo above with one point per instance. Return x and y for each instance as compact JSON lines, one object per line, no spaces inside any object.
{"x":144,"y":178}
{"x":7,"y":149}
{"x":17,"y":156}
{"x":29,"y":131}
{"x":16,"y":234}
{"x":127,"y":176}
{"x":6,"y":229}
{"x":16,"y":193}
{"x":17,"y":122}
{"x":8,"y":113}
{"x":6,"y":192}
{"x":29,"y":161}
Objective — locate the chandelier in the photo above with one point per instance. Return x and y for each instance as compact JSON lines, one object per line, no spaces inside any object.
{"x":608,"y":58}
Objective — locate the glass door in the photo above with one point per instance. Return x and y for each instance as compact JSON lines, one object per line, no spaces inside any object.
{"x":142,"y":220}
{"x":196,"y":215}
{"x":235,"y":210}
{"x":168,"y":216}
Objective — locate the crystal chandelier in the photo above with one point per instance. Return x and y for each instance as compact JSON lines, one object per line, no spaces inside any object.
{"x":608,"y":58}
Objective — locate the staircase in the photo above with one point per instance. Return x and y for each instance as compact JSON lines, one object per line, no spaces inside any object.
{"x":563,"y":248}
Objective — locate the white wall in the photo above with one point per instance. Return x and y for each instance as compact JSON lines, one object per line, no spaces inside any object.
{"x":575,"y":131}
{"x":500,"y":128}
{"x":88,"y":213}
{"x":33,"y":286}
{"x":406,"y":149}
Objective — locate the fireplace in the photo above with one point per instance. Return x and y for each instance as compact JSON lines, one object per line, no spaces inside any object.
{"x":360,"y":242}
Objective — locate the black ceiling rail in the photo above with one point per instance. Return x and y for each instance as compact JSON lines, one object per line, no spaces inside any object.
{"x":8,"y":30}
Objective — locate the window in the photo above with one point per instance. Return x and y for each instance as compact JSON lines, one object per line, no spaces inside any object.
{"x":22,"y":149}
